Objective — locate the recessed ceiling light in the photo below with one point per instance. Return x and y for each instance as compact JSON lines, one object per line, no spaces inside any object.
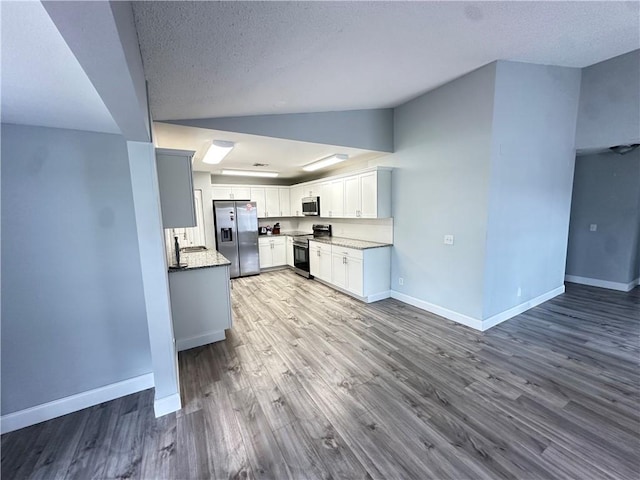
{"x":325,"y":162}
{"x":249,"y":173}
{"x":217,"y":151}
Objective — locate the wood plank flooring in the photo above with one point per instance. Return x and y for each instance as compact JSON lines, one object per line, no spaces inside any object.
{"x":311,"y":384}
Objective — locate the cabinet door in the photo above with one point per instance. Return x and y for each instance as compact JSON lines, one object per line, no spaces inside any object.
{"x":241,"y":193}
{"x":369,"y":195}
{"x":337,"y":198}
{"x":325,"y":265}
{"x":339,"y":270}
{"x":257,"y":195}
{"x":221,"y":193}
{"x":311,"y":190}
{"x":290,"y":251}
{"x":266,"y":256}
{"x":325,"y":200}
{"x":351,"y":196}
{"x":354,"y":274}
{"x":285,"y":202}
{"x":314,"y":261}
{"x":295,"y":195}
{"x":272,"y":208}
{"x":279,"y":253}
{"x":175,"y":182}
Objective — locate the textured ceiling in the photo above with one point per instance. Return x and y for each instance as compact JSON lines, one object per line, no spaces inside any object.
{"x":284,"y":156}
{"x":42,"y":82}
{"x":214,"y":59}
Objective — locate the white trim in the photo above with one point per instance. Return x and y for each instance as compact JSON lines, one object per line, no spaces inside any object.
{"x":378,"y":296}
{"x":62,"y":406}
{"x":594,"y":282}
{"x":199,"y":340}
{"x":476,"y":323}
{"x":167,"y":405}
{"x":438,"y":310}
{"x":487,"y":323}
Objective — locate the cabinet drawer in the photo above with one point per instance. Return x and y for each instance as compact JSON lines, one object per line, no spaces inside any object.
{"x":348,"y":252}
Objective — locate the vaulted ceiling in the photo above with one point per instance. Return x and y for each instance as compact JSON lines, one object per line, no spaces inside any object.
{"x":215,"y":59}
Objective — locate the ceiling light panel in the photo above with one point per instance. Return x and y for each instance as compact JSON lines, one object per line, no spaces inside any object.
{"x":217,"y":151}
{"x":325,"y":162}
{"x":250,"y":173}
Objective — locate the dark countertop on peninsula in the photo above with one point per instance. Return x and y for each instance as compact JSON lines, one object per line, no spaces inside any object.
{"x":202,"y":259}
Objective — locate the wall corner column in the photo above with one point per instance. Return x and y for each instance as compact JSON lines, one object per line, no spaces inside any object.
{"x":146,"y":199}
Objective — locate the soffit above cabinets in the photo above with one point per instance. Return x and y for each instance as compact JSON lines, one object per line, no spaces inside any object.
{"x":287,"y":157}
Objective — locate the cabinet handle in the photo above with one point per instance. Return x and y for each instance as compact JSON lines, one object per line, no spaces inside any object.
{"x":231,"y":195}
{"x":318,"y":252}
{"x":344,"y":260}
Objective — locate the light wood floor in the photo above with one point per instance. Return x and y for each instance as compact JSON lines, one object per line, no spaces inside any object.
{"x":313,"y":384}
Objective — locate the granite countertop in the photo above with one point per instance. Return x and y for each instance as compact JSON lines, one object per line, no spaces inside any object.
{"x":203,"y":259}
{"x":351,"y":243}
{"x":287,"y":233}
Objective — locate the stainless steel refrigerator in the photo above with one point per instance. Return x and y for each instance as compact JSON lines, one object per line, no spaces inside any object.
{"x":236,"y":225}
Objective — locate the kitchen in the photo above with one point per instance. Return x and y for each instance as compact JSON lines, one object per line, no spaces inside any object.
{"x":336,"y":229}
{"x":474,"y":107}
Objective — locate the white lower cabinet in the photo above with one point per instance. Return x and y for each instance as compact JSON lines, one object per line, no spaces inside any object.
{"x":347,"y":269}
{"x":362,"y":273}
{"x":273,"y":251}
{"x":289,"y":244}
{"x":320,"y":260}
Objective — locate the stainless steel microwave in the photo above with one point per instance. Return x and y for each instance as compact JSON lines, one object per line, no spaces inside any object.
{"x":311,"y":206}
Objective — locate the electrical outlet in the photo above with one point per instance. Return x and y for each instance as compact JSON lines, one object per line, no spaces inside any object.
{"x":448,"y":239}
{"x":519,"y":292}
{"x":400,"y":281}
{"x":593,"y":227}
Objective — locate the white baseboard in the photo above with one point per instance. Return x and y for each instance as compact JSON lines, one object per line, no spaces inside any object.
{"x":438,"y":310}
{"x":476,"y":323}
{"x":378,"y":296}
{"x":167,"y":405}
{"x":47,"y":411}
{"x":594,"y":282}
{"x":199,"y":340}
{"x":494,"y":320}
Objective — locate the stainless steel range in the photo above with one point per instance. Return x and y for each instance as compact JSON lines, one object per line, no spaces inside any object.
{"x":301,"y":249}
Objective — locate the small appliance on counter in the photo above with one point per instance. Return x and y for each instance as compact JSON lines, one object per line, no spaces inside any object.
{"x":276,"y":229}
{"x":262,"y":231}
{"x":301,"y":249}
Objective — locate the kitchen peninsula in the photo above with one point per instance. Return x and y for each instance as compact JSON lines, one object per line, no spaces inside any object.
{"x":200,"y":299}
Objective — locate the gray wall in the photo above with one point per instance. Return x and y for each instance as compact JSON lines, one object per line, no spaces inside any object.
{"x":440,"y":186}
{"x":73,"y":312}
{"x":610,"y":103}
{"x":606,"y":192}
{"x":533,"y":154}
{"x":367,"y":129}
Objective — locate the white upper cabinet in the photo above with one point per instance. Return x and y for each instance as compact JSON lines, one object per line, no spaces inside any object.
{"x":175,"y":182}
{"x":272,"y":208}
{"x":227,"y":192}
{"x":258,"y":196}
{"x":285,"y":201}
{"x":351,"y":196}
{"x":332,"y":198}
{"x":221,"y":193}
{"x":337,"y":197}
{"x":368,"y":195}
{"x":295,"y":195}
{"x":325,"y":199}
